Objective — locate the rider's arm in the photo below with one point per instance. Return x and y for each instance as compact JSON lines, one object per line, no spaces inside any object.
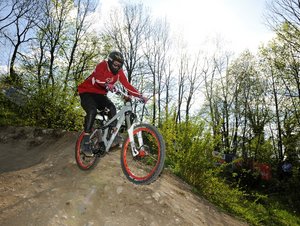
{"x":99,"y":74}
{"x":131,"y":90}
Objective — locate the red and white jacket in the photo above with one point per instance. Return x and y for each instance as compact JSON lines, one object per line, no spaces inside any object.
{"x":102,"y":75}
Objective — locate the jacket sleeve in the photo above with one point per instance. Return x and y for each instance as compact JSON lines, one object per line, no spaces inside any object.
{"x":97,"y":75}
{"x":131,"y":90}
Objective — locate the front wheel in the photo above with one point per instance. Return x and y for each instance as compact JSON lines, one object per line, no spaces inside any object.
{"x":145,"y":167}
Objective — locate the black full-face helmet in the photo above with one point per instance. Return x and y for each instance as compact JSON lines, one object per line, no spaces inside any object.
{"x":115,"y":61}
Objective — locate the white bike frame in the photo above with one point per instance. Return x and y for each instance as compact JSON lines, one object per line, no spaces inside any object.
{"x":121,"y":116}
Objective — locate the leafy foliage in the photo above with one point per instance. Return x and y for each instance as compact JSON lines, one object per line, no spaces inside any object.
{"x":43,"y":108}
{"x":189,"y":155}
{"x":252,"y":105}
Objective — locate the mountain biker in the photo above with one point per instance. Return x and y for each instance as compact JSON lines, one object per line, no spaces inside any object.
{"x":93,"y":93}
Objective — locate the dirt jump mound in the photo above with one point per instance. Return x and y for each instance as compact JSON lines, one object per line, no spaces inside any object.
{"x":40,"y":185}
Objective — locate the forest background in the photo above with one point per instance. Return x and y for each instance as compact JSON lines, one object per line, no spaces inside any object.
{"x":240,"y":150}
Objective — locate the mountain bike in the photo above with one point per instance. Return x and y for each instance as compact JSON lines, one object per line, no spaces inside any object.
{"x":143,"y":149}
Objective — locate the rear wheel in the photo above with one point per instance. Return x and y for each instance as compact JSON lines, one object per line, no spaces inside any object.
{"x":84,"y":162}
{"x":148,"y":164}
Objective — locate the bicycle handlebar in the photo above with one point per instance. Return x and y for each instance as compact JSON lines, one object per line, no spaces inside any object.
{"x":125,"y":95}
{"x":120,"y":92}
{"x":128,"y":98}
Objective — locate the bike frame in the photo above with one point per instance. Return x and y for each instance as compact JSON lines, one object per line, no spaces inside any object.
{"x":122,"y":115}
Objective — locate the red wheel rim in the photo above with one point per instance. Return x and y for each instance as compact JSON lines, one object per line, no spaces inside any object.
{"x":78,"y":154}
{"x":132,"y":175}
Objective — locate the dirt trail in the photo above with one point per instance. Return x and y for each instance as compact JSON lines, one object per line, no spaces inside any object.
{"x":41,"y":185}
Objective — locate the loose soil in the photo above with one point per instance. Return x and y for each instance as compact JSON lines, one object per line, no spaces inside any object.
{"x":40,"y":185}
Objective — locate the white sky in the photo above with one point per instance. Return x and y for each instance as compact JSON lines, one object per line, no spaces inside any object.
{"x":240,"y":23}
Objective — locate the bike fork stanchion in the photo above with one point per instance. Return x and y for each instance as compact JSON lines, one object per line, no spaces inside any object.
{"x":134,"y":151}
{"x":140,"y":139}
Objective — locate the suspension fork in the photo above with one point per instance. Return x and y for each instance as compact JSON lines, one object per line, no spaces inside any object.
{"x":134,"y":149}
{"x":130,"y":128}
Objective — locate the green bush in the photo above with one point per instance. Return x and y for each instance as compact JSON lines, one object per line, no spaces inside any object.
{"x":48,"y":108}
{"x":55,"y":111}
{"x":189,"y":155}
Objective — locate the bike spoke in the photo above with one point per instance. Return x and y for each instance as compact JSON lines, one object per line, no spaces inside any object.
{"x":147,"y":165}
{"x":84,"y":162}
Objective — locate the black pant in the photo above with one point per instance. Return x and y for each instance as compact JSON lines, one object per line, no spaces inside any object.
{"x":90,"y":102}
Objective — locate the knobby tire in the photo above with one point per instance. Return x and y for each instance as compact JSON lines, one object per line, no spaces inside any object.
{"x":83,"y":162}
{"x":148,"y":165}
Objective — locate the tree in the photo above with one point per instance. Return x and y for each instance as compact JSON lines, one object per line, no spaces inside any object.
{"x":126,"y":31}
{"x":241,"y":70}
{"x":213,"y":71}
{"x":19,"y":21}
{"x":52,"y":26}
{"x":225,"y":98}
{"x":53,"y":56}
{"x":283,"y":58}
{"x":209,"y":74}
{"x":7,"y":9}
{"x":78,"y":31}
{"x":194,"y":81}
{"x":156,"y":50}
{"x":281,"y":69}
{"x":86,"y":58}
{"x":181,"y":84}
{"x":251,"y":109}
{"x":284,"y":18}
